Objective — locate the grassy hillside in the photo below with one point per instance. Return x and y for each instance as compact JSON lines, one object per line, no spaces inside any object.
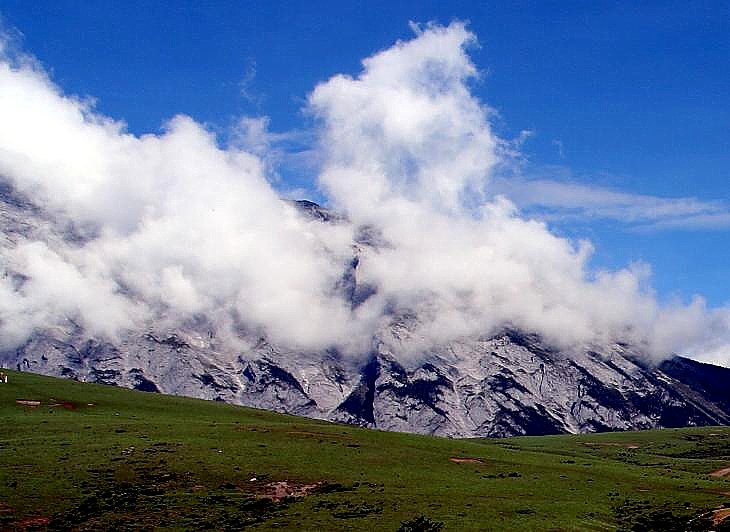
{"x":96,"y":457}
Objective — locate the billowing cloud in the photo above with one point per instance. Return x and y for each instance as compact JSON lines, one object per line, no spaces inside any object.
{"x":171,"y":225}
{"x":407,"y":128}
{"x":176,"y":227}
{"x":410,"y":150}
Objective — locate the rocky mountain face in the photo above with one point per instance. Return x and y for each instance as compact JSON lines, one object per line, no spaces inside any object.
{"x":504,"y":384}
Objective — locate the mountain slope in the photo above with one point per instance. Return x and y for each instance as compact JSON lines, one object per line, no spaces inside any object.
{"x":88,"y":457}
{"x":503,"y":384}
{"x":507,"y":385}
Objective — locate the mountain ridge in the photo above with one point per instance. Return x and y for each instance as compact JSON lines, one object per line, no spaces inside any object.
{"x":503,"y":384}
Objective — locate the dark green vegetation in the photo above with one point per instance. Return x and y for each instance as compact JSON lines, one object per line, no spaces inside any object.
{"x":95,"y":457}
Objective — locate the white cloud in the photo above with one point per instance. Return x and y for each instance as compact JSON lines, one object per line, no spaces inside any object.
{"x":407,"y":127}
{"x":246,"y":83}
{"x":178,"y":227}
{"x":409,"y":149}
{"x":559,"y":200}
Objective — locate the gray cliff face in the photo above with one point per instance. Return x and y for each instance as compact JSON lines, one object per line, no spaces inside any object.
{"x":506,"y":384}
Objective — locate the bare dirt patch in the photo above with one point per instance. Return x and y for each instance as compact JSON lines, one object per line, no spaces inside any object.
{"x":322,"y":435}
{"x":27,"y":402}
{"x":458,"y":460}
{"x":280,"y":490}
{"x":38,"y":520}
{"x":718,"y":516}
{"x":721,"y":472}
{"x":53,"y":403}
{"x":68,"y":405}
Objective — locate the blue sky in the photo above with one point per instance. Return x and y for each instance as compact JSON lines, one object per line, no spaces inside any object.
{"x":626,"y":104}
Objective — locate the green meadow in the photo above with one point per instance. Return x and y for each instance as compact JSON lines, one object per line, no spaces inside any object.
{"x":77,"y":456}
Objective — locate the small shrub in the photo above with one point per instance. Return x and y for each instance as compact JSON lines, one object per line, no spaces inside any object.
{"x":420,"y":524}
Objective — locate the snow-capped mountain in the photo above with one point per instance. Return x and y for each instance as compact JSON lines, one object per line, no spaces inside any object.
{"x":505,"y":383}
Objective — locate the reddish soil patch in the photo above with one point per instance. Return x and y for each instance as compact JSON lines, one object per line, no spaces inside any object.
{"x":68,"y":405}
{"x":457,"y":460}
{"x":27,"y":402}
{"x":323,"y":435}
{"x":721,"y":472}
{"x":718,"y":516}
{"x":280,"y":490}
{"x":34,"y":521}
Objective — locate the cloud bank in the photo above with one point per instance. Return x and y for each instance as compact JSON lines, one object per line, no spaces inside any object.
{"x":174,"y":227}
